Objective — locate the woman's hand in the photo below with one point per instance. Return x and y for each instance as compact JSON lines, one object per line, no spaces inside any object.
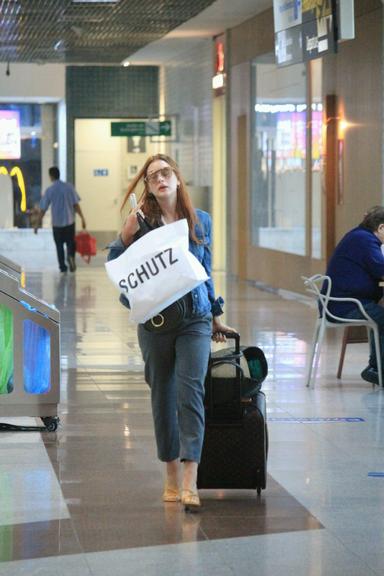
{"x":130,"y":227}
{"x":219,"y":329}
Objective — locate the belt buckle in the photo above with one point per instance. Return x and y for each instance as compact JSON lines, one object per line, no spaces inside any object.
{"x":158,"y":324}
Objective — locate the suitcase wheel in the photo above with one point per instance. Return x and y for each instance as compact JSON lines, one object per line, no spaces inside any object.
{"x":51,"y":423}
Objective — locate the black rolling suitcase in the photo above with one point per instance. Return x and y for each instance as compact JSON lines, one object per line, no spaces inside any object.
{"x":235,"y":445}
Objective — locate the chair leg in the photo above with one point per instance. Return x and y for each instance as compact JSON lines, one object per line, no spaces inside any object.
{"x":311,"y":357}
{"x":314,"y":357}
{"x":376,"y":336}
{"x":318,"y":351}
{"x":342,"y":352}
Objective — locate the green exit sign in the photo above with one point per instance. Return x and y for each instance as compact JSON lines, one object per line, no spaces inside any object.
{"x":145,"y":128}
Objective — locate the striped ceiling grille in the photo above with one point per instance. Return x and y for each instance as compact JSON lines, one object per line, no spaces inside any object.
{"x":87,"y":32}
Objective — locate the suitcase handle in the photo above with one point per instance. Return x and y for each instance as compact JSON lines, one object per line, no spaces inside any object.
{"x":235,"y":361}
{"x":236,"y":337}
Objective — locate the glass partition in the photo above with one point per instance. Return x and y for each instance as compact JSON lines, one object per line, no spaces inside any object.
{"x":6,"y":350}
{"x":278,"y":156}
{"x":317,"y":157}
{"x":37,"y":358}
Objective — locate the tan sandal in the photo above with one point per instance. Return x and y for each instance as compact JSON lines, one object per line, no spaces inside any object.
{"x":190,"y":500}
{"x":171,"y":494}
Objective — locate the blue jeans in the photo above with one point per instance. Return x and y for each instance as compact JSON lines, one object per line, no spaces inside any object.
{"x":376,"y":312}
{"x":175,"y":369}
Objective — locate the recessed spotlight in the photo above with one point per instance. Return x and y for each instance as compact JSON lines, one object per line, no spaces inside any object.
{"x":95,"y":1}
{"x":59,"y":45}
{"x":126,"y":63}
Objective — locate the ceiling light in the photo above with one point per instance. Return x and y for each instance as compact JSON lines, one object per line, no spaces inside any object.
{"x":95,"y":1}
{"x":77,"y":30}
{"x":59,"y":45}
{"x":126,"y":63}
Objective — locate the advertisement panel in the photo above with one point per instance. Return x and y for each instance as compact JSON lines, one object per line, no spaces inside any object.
{"x":318,"y":28}
{"x":10,"y":139}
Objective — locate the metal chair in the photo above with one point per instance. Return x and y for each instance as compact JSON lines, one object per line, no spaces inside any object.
{"x":328,"y":320}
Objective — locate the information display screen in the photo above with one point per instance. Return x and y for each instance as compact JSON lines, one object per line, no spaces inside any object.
{"x":10,"y":137}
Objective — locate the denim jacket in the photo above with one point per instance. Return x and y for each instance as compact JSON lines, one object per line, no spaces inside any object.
{"x":203,"y":296}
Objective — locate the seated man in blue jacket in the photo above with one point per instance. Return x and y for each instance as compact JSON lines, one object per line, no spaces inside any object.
{"x":356,"y":268}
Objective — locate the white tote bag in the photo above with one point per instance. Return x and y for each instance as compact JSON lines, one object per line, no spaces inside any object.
{"x":157,"y":270}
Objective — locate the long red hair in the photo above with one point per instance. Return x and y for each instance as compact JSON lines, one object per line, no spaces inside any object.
{"x":149,"y":204}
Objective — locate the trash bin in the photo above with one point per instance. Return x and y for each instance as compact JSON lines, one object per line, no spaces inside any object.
{"x":30,"y":353}
{"x":10,"y":266}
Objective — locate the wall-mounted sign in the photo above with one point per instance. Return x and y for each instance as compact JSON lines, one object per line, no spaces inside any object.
{"x":288,"y":46}
{"x":219,"y":74}
{"x":144,"y":128}
{"x":136,"y":144}
{"x":318,"y":28}
{"x":100,"y":172}
{"x":286,"y":13}
{"x":304,"y":29}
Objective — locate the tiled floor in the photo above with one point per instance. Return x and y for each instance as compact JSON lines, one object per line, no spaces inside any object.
{"x":86,"y":499}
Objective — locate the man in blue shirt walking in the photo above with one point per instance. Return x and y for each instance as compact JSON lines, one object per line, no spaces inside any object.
{"x":64,"y":202}
{"x":356,"y":268}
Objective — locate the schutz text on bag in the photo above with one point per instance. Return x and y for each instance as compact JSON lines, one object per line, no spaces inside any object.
{"x":148,"y":269}
{"x":156,"y":270}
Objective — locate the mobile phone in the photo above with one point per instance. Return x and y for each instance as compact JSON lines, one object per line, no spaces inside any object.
{"x":132,"y":200}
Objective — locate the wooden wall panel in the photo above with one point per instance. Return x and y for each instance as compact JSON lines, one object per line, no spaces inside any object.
{"x":253,"y":37}
{"x":359,"y":90}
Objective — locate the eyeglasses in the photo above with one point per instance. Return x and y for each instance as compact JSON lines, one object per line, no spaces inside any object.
{"x":165,"y":172}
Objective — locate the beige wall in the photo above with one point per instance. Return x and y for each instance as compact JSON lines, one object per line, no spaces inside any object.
{"x":354,"y":74}
{"x":101,"y":196}
{"x":32,"y":82}
{"x":238,"y":193}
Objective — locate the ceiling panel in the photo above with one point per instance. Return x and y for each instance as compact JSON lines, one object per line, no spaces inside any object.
{"x":92,"y":33}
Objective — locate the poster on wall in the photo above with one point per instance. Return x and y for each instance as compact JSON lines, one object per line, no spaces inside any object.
{"x":10,"y":139}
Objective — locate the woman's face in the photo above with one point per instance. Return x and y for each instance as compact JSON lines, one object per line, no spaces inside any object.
{"x":161,"y":180}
